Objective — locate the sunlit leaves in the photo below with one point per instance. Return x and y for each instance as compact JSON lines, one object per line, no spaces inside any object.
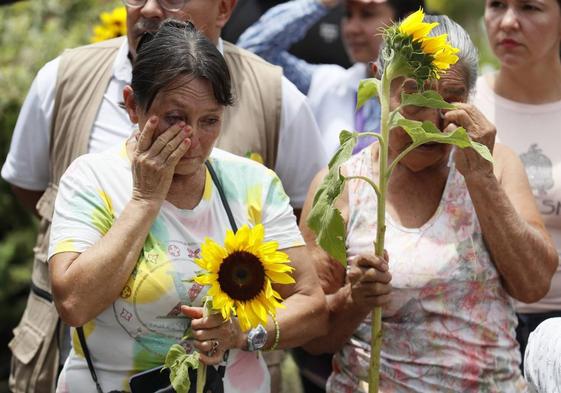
{"x":179,"y":362}
{"x":324,"y":219}
{"x":427,"y":132}
{"x":426,"y":99}
{"x":367,"y":89}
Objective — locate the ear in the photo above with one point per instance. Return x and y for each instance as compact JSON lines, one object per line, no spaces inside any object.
{"x":373,"y":68}
{"x":225,"y":9}
{"x":130,"y":104}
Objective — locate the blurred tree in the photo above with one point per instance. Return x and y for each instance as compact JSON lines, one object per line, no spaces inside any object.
{"x":469,"y":13}
{"x":31,"y":33}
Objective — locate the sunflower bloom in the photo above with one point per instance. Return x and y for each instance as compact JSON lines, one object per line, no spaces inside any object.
{"x":113,"y":25}
{"x":416,"y":54}
{"x":241,"y":273}
{"x":414,"y":26}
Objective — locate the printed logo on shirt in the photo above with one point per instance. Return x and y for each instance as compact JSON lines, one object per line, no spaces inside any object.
{"x":539,"y":169}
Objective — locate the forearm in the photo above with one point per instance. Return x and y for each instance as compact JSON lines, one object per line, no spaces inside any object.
{"x":344,"y":319}
{"x":27,"y":198}
{"x":269,"y":39}
{"x":91,"y":282}
{"x":522,"y":255}
{"x":269,"y":33}
{"x":304,"y":318}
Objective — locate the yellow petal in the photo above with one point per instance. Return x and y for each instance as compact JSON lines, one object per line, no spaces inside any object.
{"x":245,"y":324}
{"x":280,"y":278}
{"x":279,"y":267}
{"x":242,"y":238}
{"x":230,"y":241}
{"x":259,"y":311}
{"x":434,"y":44}
{"x":257,"y":235}
{"x":206,"y":279}
{"x":414,"y":26}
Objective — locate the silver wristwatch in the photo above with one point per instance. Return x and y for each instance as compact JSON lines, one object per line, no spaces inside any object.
{"x":256,"y":338}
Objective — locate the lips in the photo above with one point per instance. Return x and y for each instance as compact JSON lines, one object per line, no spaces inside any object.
{"x":509,"y":43}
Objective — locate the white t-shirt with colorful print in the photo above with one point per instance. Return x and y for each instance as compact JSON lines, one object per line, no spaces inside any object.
{"x":136,"y":331}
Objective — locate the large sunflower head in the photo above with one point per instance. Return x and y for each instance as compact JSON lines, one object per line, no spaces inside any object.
{"x":113,"y":24}
{"x":413,"y":53}
{"x":241,"y":274}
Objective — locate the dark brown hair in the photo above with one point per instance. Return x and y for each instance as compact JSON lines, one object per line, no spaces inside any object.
{"x":174,"y":51}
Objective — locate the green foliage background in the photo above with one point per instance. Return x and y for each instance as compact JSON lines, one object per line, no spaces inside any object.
{"x":31,"y":33}
{"x":34,"y":32}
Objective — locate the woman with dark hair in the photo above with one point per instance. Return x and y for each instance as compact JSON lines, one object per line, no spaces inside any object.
{"x":331,"y":89}
{"x":130,"y":222}
{"x":523,"y":100}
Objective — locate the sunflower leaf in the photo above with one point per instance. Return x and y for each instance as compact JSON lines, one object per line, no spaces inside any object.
{"x":178,"y":361}
{"x":324,"y":219}
{"x":367,"y":88}
{"x":427,"y":132}
{"x":426,"y":99}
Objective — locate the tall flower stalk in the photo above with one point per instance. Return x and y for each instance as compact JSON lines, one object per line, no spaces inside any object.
{"x":408,"y":52}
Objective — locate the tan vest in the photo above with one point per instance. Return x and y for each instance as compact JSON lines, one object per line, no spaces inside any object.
{"x":251,"y":126}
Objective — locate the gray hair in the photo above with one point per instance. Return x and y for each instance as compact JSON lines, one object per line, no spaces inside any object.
{"x":458,"y":38}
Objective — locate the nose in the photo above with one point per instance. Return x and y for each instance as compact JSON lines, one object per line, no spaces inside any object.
{"x":193,"y":135}
{"x":509,"y":19}
{"x":351,"y":25}
{"x":152,"y":9}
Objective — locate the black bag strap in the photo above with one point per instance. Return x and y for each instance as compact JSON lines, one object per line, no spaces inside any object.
{"x":80,"y":329}
{"x":82,"y":339}
{"x":220,"y":189}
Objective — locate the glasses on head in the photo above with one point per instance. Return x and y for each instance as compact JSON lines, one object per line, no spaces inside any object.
{"x":168,"y":5}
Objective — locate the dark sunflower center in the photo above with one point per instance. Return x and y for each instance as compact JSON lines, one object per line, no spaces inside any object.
{"x":241,"y":276}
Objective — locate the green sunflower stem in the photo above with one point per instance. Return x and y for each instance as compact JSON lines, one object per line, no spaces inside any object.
{"x":201,"y":378}
{"x":376,"y":315}
{"x":201,"y":370}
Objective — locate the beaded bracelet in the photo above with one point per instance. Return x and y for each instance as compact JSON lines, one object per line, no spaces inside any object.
{"x":277,"y":334}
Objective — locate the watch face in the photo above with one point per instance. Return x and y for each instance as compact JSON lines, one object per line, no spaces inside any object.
{"x":257,"y":338}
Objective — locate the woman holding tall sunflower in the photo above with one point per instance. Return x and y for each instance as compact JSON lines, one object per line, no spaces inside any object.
{"x":460,"y":233}
{"x":133,"y":227}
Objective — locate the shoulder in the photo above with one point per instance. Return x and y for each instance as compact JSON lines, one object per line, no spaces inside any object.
{"x":244,"y":179}
{"x":111,"y":45}
{"x":332,"y":79}
{"x":506,"y":163}
{"x":483,"y":91}
{"x":82,"y":56}
{"x":230,"y":164}
{"x":97,"y":164}
{"x":290,"y":93}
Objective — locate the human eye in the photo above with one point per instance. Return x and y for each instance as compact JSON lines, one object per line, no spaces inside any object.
{"x":530,"y":7}
{"x":173,"y":118}
{"x":211,"y":121}
{"x":495,"y":4}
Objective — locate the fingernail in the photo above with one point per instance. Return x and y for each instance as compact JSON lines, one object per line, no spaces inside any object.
{"x":153,"y":120}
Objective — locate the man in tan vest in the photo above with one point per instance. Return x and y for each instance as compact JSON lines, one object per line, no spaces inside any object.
{"x":75,"y":106}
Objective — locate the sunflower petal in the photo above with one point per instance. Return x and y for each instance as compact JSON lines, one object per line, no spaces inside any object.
{"x":206,"y":279}
{"x":259,"y":309}
{"x":280,"y":278}
{"x":257,"y":235}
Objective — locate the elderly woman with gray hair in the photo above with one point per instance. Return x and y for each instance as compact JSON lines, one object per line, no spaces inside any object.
{"x":463,"y":237}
